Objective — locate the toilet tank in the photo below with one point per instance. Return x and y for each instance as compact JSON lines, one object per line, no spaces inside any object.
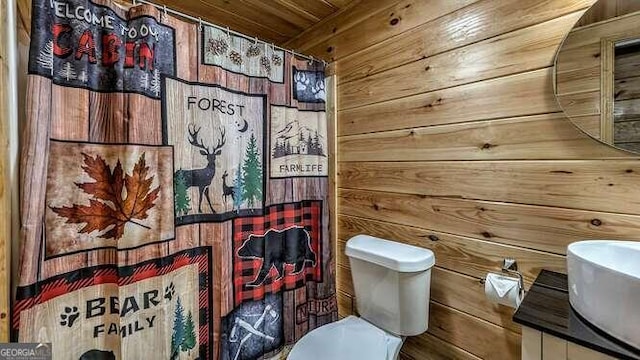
{"x":391,"y":283}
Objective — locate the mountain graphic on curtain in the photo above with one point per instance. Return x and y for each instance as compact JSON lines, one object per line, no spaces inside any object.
{"x":173,"y":189}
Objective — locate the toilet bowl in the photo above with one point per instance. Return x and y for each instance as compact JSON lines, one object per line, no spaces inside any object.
{"x":391,"y":283}
{"x":348,"y":339}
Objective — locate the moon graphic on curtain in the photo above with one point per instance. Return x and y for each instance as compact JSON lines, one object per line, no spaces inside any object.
{"x":244,"y":127}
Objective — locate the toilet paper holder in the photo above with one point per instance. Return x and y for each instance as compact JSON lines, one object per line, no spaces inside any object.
{"x":510,"y":266}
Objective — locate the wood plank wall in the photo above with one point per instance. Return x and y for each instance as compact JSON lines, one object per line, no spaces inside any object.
{"x":450,"y":138}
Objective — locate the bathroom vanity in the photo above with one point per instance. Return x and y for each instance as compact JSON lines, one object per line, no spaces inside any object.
{"x":551,"y":329}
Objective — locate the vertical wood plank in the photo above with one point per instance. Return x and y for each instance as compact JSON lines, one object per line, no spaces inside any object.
{"x":553,"y":348}
{"x":531,"y":344}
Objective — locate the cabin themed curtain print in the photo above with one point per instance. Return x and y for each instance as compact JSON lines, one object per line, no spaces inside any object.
{"x":174,"y":190}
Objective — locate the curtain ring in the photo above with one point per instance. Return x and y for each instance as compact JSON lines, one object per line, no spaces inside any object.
{"x":200,"y":24}
{"x":228,"y":34}
{"x":311,"y":60}
{"x":163,"y":16}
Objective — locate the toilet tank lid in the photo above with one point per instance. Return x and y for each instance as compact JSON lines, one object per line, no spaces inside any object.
{"x":390,"y":254}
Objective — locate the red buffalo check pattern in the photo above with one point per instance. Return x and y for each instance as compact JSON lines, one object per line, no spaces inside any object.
{"x":307,"y":214}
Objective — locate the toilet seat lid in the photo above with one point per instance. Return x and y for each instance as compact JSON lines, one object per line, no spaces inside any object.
{"x":351,"y":338}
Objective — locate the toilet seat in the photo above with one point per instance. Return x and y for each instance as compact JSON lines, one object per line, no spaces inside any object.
{"x":351,"y":338}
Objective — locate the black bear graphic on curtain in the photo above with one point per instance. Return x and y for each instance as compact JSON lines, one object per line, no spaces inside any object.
{"x":276,"y":248}
{"x":98,"y":355}
{"x":280,"y":250}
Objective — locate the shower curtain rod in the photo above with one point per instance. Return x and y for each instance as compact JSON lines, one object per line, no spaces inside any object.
{"x":201,"y":22}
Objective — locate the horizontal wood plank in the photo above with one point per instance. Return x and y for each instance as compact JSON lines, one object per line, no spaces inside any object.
{"x":585,"y":79}
{"x":466,"y":26}
{"x":517,"y":95}
{"x":464,"y":255}
{"x":479,"y":337}
{"x":586,"y":56}
{"x":427,"y":346}
{"x":605,"y":185}
{"x":580,"y":103}
{"x":603,"y":10}
{"x":353,"y":14}
{"x":467,"y":294}
{"x":382,"y":25}
{"x":628,"y":88}
{"x":518,"y":51}
{"x":588,"y":124}
{"x":543,"y":228}
{"x":548,"y":136}
{"x":345,"y":304}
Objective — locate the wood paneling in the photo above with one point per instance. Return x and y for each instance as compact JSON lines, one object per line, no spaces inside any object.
{"x":464,"y":255}
{"x":430,"y":347}
{"x":510,"y":96}
{"x":479,"y":337}
{"x":547,"y":136}
{"x":518,"y":51}
{"x":450,"y":138}
{"x":607,"y":9}
{"x":463,"y":27}
{"x":545,"y":228}
{"x":277,"y":21}
{"x":604,"y":185}
{"x":531,"y":344}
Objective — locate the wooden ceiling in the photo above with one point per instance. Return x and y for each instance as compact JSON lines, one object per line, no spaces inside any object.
{"x":276,"y":21}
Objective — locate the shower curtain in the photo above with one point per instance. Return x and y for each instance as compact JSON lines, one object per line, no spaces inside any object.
{"x":173,"y":190}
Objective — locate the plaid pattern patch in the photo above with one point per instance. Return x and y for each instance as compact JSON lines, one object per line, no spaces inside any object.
{"x":279,"y":250}
{"x":38,"y":293}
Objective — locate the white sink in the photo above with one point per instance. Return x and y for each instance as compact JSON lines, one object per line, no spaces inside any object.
{"x":604,"y":286}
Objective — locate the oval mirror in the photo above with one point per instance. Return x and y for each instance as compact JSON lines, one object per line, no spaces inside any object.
{"x":597,"y":73}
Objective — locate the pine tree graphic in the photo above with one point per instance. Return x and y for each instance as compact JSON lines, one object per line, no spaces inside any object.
{"x":189,"y":341}
{"x":45,"y":58}
{"x":181,"y":198}
{"x":252,"y":174}
{"x":68,"y":71}
{"x":83,"y":76}
{"x":177,"y":338}
{"x":155,"y":82}
{"x":238,"y":184}
{"x":144,"y":81}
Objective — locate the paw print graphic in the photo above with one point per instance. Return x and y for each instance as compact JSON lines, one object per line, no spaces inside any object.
{"x":301,"y":81}
{"x":69,"y":316}
{"x":169,"y":292}
{"x":318,"y":90}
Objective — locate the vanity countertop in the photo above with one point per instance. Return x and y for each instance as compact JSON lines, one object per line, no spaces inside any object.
{"x":546,"y":308}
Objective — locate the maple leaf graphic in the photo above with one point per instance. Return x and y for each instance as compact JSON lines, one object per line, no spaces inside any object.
{"x":110,"y":207}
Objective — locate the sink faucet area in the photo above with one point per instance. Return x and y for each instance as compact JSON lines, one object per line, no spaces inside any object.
{"x":604,"y":286}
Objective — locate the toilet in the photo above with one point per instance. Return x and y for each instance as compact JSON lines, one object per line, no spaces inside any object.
{"x":391,"y":284}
